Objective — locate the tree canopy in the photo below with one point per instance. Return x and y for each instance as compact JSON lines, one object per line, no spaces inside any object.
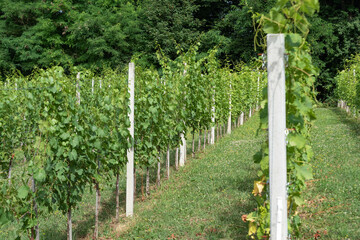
{"x":108,"y":33}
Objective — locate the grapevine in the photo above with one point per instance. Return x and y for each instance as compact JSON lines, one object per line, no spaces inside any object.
{"x":348,"y":86}
{"x":288,"y":17}
{"x":64,"y":132}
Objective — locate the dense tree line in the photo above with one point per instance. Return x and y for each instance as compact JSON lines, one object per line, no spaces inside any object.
{"x":99,"y":33}
{"x":334,"y":38}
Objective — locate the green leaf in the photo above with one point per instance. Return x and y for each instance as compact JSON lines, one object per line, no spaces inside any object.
{"x":4,"y":217}
{"x":65,"y":136}
{"x":79,"y":171}
{"x":299,"y":200}
{"x":73,"y":155}
{"x":153,"y":110}
{"x":282,"y":3}
{"x":309,"y":152}
{"x":296,"y":140}
{"x":252,"y":217}
{"x":75,"y":141}
{"x":264,"y":163}
{"x":258,"y":157}
{"x":23,"y":192}
{"x":293,"y":40}
{"x":303,"y":172}
{"x":101,"y":133}
{"x":97,"y":144}
{"x":40,"y":175}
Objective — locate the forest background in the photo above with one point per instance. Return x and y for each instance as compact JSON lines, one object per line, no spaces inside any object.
{"x":97,"y":34}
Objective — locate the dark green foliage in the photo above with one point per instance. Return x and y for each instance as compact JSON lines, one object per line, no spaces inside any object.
{"x":334,"y":37}
{"x":107,"y":33}
{"x":43,"y":33}
{"x":169,"y":23}
{"x":237,"y":26}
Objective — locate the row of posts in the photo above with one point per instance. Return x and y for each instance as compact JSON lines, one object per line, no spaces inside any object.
{"x":343,"y":104}
{"x":182,"y":157}
{"x":277,"y":138}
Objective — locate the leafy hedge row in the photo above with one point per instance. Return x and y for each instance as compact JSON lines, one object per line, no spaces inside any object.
{"x":348,"y":86}
{"x":61,"y":133}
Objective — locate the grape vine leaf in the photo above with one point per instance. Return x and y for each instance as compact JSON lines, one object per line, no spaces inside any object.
{"x":303,"y":172}
{"x":23,"y":191}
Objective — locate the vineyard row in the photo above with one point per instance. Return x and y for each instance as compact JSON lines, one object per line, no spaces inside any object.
{"x":62,"y":132}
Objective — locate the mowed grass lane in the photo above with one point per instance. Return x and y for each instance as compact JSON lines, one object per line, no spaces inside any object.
{"x":332,"y":209}
{"x":206,"y":198}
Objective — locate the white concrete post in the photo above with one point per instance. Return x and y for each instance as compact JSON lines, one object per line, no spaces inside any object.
{"x":229,"y":119}
{"x":130,"y":151}
{"x":258,"y":92}
{"x":183,"y":140}
{"x":212,"y":133}
{"x":182,"y":150}
{"x":78,"y":88}
{"x":277,"y":136}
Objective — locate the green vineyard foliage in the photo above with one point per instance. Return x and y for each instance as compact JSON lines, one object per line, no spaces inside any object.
{"x":288,"y":17}
{"x":348,"y":85}
{"x":63,"y":132}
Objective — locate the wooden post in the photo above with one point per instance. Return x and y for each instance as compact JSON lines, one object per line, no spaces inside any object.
{"x":130,"y":151}
{"x":277,"y":137}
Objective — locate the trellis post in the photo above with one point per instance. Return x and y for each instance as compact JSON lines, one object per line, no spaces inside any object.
{"x":229,"y":118}
{"x":182,"y":136}
{"x":130,"y":151}
{"x":277,"y":136}
{"x":212,"y":133}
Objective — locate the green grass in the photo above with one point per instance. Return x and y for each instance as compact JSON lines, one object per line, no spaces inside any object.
{"x":333,"y":205}
{"x":206,"y":199}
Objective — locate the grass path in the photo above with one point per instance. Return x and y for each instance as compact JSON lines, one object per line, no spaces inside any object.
{"x":206,"y":199}
{"x":332,"y":210}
